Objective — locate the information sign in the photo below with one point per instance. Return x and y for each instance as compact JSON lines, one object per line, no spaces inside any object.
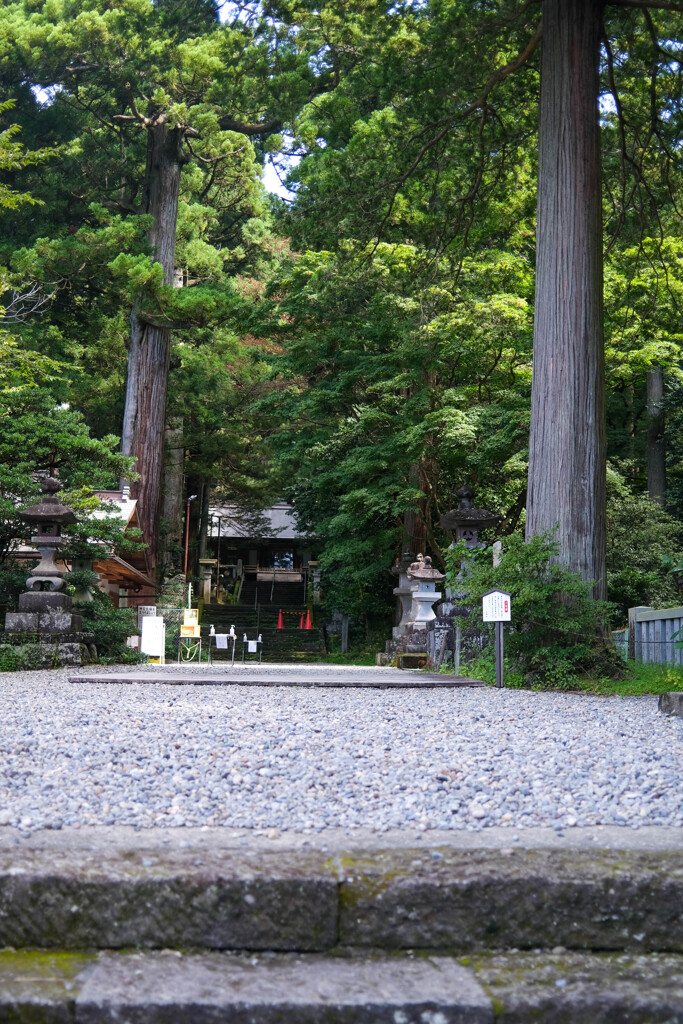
{"x":497,"y":606}
{"x":153,"y":642}
{"x":145,"y":609}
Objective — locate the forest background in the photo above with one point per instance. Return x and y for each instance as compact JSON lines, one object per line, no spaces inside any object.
{"x":363,"y":346}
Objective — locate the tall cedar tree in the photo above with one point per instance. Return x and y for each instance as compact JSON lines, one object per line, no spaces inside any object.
{"x":157,"y":84}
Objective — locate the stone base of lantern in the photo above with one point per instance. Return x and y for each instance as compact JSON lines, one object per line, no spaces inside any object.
{"x":413,"y":640}
{"x":43,"y":622}
{"x":49,"y":648}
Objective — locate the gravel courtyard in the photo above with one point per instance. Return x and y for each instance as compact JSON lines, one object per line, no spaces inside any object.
{"x":286,"y":758}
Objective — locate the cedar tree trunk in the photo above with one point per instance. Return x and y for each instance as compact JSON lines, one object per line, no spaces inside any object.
{"x":171,"y":541}
{"x":656,"y":454}
{"x":414,"y":519}
{"x":567,"y":442}
{"x":149,"y":350}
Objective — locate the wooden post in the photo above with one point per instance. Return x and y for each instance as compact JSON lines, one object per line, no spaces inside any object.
{"x":499,"y":655}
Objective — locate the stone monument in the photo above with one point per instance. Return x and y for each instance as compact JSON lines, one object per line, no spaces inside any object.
{"x":45,"y":615}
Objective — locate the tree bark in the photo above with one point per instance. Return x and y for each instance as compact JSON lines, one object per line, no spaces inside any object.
{"x":567,"y":442}
{"x":144,"y":415}
{"x":414,"y":519}
{"x":656,"y":453}
{"x":172,"y":507}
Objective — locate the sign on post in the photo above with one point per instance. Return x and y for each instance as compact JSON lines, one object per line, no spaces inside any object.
{"x":497,"y":607}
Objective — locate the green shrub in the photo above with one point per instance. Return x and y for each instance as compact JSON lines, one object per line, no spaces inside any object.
{"x":643,"y":546}
{"x":110,"y":627}
{"x":13,"y":576}
{"x":557,"y":631}
{"x":21,"y":657}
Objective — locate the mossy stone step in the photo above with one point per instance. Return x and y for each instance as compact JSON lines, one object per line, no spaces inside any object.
{"x":174,"y":987}
{"x":206,"y":895}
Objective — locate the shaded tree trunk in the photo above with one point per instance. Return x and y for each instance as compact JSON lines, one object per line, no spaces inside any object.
{"x":656,"y":453}
{"x":144,"y":415}
{"x":567,"y":442}
{"x":204,"y":520}
{"x":172,"y":514}
{"x":414,"y":519}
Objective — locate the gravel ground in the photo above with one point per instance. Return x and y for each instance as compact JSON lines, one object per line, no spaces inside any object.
{"x":159,"y":755}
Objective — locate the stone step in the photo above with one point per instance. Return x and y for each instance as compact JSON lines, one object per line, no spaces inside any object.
{"x":207,"y":988}
{"x":74,"y":891}
{"x":276,"y":673}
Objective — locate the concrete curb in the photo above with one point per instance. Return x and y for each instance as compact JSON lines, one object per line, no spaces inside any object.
{"x":57,"y":895}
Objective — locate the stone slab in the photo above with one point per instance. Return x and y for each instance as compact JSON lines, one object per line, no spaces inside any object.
{"x":92,"y":889}
{"x":21,"y":622}
{"x":568,"y":988}
{"x":513,"y":899}
{"x":671,"y":704}
{"x":44,"y":601}
{"x":168,"y":676}
{"x":204,"y":990}
{"x":98,"y":841}
{"x":60,"y":622}
{"x":84,"y":898}
{"x":170,"y":988}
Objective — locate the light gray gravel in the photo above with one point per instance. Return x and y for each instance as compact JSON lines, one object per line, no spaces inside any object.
{"x":282,"y":758}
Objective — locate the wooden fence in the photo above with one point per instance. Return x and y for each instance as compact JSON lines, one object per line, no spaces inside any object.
{"x":653,"y":636}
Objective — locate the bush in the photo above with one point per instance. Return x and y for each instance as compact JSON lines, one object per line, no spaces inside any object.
{"x":110,"y":627}
{"x":557,"y":631}
{"x":643,"y":545}
{"x":20,"y":657}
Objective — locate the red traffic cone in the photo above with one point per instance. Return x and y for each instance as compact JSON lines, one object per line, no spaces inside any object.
{"x":301,"y":622}
{"x":309,"y":624}
{"x":280,"y":621}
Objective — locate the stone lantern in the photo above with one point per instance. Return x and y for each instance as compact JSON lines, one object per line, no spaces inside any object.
{"x":425,"y":595}
{"x":466,"y":521}
{"x":45,"y":607}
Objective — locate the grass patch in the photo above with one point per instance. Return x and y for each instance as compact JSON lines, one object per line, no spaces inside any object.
{"x":641,"y":679}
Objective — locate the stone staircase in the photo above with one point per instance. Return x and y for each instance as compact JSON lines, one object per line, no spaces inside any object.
{"x":201,"y":928}
{"x":290,"y":644}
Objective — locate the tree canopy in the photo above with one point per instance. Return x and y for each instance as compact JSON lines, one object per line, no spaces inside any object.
{"x":364,"y":346}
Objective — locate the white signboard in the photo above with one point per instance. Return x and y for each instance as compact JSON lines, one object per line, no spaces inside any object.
{"x":153,"y":642}
{"x":497,"y":606}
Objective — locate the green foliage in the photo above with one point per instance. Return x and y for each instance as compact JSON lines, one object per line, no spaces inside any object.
{"x":643,"y":544}
{"x":20,"y":657}
{"x":13,"y":576}
{"x":110,"y":627}
{"x":14,"y":157}
{"x":37,"y":434}
{"x":557,"y":631}
{"x":640,"y":679}
{"x":387,"y":366}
